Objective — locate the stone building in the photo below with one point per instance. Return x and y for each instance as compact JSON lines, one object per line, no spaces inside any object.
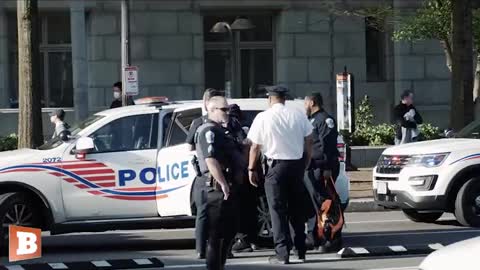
{"x":295,"y":42}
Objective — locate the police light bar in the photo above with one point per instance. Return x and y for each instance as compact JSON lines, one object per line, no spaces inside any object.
{"x":151,"y":100}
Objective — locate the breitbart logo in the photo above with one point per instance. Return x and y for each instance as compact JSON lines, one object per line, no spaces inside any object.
{"x":25,"y":243}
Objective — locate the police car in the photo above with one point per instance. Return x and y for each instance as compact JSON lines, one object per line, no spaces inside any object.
{"x":123,"y":168}
{"x":426,"y":179}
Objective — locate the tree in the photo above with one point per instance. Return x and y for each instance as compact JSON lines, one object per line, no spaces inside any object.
{"x":435,"y":20}
{"x":30,"y":115}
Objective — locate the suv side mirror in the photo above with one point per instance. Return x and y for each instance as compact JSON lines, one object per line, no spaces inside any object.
{"x":82,"y":146}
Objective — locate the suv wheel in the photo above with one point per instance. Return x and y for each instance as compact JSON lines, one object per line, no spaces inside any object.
{"x":428,"y":217}
{"x":467,"y":205}
{"x":265,"y":232}
{"x":16,"y":209}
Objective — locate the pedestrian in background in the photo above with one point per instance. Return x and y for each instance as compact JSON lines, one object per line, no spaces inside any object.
{"x":324,"y":164}
{"x":407,"y":119}
{"x":199,"y":187}
{"x":284,"y":135}
{"x":57,"y":118}
{"x":215,"y":156}
{"x":117,"y":96}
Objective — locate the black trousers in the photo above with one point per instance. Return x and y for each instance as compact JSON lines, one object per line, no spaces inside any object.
{"x":285,"y":193}
{"x":248,"y":220}
{"x":221,"y":216}
{"x":317,"y":192}
{"x":200,"y":197}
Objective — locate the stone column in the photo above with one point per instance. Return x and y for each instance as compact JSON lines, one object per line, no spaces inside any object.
{"x":4,"y":72}
{"x":79,"y":59}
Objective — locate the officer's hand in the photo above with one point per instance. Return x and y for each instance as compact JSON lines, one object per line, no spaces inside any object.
{"x":327,"y":173}
{"x":253,"y":177}
{"x":226,"y":191}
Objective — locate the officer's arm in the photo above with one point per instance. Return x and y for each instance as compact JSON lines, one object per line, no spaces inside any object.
{"x":253,"y":156}
{"x":216,"y":170}
{"x":308,"y":142}
{"x":191,"y":133}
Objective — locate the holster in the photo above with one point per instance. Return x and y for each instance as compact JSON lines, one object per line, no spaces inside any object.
{"x":196,"y":166}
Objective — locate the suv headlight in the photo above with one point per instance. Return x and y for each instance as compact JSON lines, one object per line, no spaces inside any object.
{"x":430,"y":160}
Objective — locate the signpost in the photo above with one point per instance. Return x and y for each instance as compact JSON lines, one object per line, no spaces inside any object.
{"x":131,"y":81}
{"x":345,"y":109}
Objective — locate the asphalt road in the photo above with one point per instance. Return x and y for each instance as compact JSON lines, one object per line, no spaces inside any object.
{"x":175,"y":247}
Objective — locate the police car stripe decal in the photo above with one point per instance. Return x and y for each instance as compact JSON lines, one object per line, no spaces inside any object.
{"x":470,"y":157}
{"x":157,"y":192}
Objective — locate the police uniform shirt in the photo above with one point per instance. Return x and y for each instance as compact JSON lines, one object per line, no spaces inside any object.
{"x":325,"y":134}
{"x":281,"y":131}
{"x":214,"y":143}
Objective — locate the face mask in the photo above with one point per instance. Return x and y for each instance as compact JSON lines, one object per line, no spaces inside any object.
{"x":52,"y":119}
{"x":117,"y":95}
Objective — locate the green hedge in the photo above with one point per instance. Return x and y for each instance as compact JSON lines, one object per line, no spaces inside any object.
{"x":9,"y":142}
{"x":384,"y":134}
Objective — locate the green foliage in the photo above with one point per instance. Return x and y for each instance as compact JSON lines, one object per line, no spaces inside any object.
{"x":9,"y":142}
{"x":384,"y":134}
{"x":432,"y":21}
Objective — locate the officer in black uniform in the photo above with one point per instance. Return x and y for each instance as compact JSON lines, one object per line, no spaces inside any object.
{"x":199,"y":188}
{"x":215,"y":150}
{"x":324,"y":162}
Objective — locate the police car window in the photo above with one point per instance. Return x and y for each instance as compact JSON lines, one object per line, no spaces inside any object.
{"x":471,"y":131}
{"x":179,"y":128}
{"x":127,"y":134}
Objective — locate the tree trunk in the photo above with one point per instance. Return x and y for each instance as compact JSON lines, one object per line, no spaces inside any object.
{"x":476,"y":87}
{"x":30,"y":116}
{"x":447,"y":48}
{"x":461,"y":110}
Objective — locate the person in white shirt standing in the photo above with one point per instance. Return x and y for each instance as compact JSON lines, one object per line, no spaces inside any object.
{"x":284,"y":136}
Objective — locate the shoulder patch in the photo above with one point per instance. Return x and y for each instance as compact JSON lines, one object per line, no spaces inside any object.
{"x":210,"y":136}
{"x":330,"y":123}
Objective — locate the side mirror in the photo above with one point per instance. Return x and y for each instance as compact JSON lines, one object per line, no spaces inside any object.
{"x":82,"y":146}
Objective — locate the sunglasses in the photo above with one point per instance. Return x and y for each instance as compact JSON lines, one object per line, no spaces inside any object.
{"x":224,"y":109}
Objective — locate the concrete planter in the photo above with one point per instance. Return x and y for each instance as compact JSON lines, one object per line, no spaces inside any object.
{"x":366,"y":156}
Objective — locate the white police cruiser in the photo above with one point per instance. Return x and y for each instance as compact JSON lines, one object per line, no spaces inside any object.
{"x":124,"y":168}
{"x":426,"y":179}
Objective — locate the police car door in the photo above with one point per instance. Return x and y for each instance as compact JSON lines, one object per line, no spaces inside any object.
{"x":175,"y":172}
{"x":115,"y":179}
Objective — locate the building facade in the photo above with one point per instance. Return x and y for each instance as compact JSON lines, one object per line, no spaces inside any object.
{"x":301,"y":44}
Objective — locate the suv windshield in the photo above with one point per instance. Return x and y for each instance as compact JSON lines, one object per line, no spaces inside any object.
{"x":471,"y":131}
{"x":55,"y":142}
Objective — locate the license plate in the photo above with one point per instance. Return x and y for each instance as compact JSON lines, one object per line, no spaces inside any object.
{"x":382,"y":188}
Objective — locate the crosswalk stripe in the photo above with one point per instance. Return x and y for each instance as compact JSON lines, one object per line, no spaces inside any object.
{"x":101,"y":264}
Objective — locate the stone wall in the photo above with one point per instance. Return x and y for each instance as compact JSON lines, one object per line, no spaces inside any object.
{"x":166,"y":45}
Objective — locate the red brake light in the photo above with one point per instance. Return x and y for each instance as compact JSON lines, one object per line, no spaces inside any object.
{"x":151,"y":100}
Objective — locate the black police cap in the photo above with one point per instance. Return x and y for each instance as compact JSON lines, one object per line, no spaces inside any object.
{"x":276,"y":90}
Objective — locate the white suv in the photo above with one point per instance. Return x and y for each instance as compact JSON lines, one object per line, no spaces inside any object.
{"x":136,"y":174}
{"x":426,"y":179}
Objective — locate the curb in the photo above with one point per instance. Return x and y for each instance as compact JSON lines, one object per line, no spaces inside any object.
{"x":364,"y":205}
{"x":356,"y":252}
{"x":91,"y":265}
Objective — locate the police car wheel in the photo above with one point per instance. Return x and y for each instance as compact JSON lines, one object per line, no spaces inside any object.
{"x":264,"y":221}
{"x":467,"y":205}
{"x":16,"y":209}
{"x":416,"y":216}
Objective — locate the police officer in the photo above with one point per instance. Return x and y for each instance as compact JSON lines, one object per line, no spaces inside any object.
{"x":284,"y":134}
{"x":214,"y":150}
{"x":200,"y":190}
{"x":324,"y":162}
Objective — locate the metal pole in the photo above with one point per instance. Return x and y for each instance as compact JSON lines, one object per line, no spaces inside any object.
{"x":125,"y":44}
{"x":232,"y":64}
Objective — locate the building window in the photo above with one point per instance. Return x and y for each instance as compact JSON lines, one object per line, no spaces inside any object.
{"x":55,"y":63}
{"x":375,"y":51}
{"x":253,"y":51}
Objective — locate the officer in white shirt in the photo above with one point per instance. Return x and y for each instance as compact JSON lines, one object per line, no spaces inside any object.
{"x":284,"y":136}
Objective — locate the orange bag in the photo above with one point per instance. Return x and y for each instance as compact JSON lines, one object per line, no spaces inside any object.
{"x":330,"y":218}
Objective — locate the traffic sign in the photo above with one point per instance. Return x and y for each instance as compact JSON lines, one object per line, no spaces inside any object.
{"x":131,"y":81}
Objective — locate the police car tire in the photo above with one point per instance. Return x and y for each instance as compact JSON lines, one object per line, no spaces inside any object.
{"x":8,"y":200}
{"x":464,"y":210}
{"x":416,"y":216}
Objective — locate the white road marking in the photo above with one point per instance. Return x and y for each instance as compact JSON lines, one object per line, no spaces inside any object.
{"x":396,"y":268}
{"x":412,"y":233}
{"x":58,"y":266}
{"x":360,"y":250}
{"x":101,"y":264}
{"x":398,"y":248}
{"x":15,"y":267}
{"x":142,"y":261}
{"x":436,"y":246}
{"x":390,"y":221}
